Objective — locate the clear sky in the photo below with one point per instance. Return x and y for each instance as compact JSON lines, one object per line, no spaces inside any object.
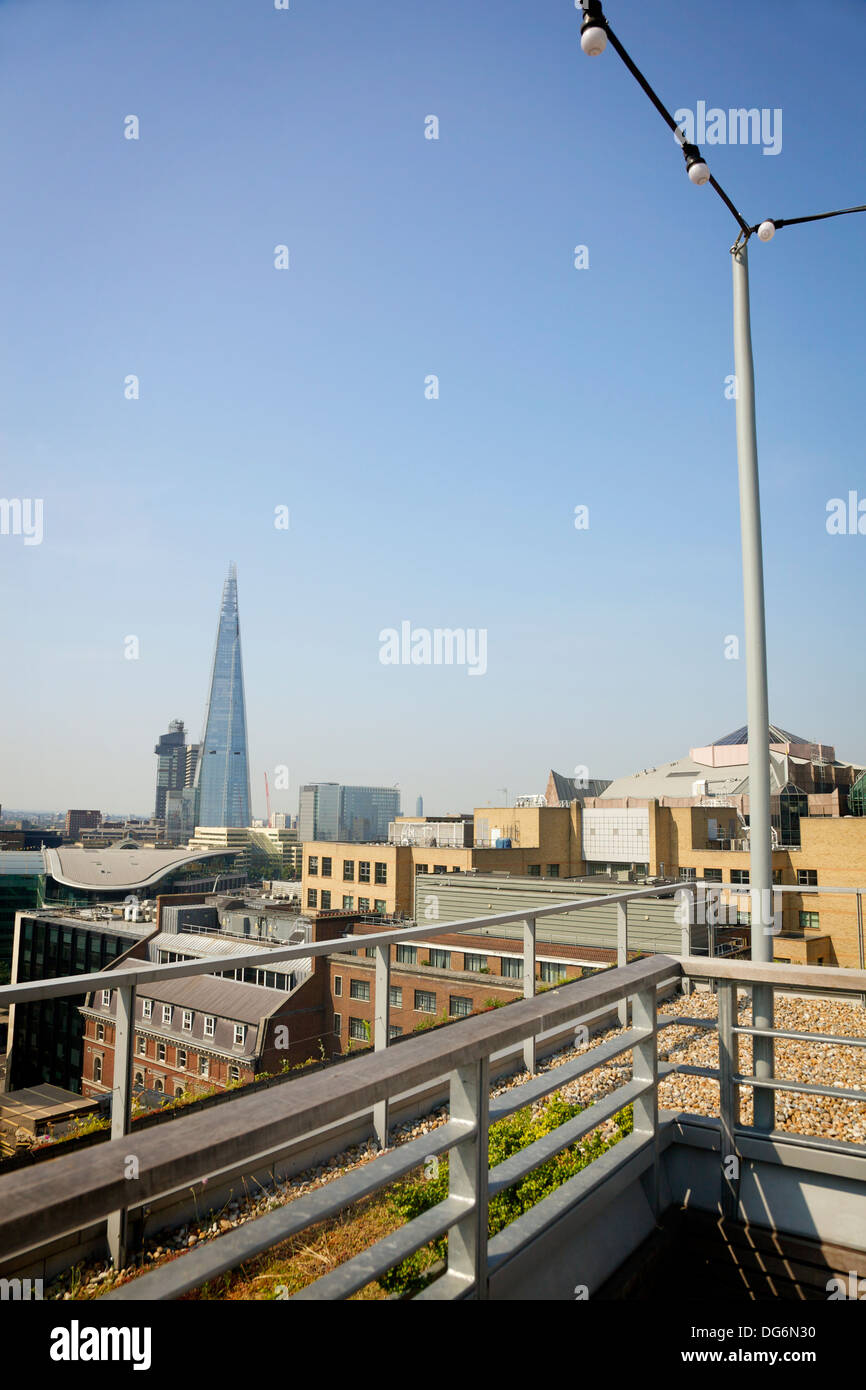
{"x":410,"y":257}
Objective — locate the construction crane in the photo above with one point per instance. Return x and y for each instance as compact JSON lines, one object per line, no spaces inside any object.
{"x":268,"y":800}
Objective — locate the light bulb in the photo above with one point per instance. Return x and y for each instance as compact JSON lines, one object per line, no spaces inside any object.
{"x":767,"y":230}
{"x":593,"y":40}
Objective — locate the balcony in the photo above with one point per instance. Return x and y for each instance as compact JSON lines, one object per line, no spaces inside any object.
{"x":761,"y":1211}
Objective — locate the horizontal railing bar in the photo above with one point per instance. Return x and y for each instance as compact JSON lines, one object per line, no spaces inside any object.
{"x":192,"y":1270}
{"x":145,"y":972}
{"x":685,"y":1069}
{"x":370,"y":1264}
{"x":53,"y":1197}
{"x":512,"y":1169}
{"x":557,"y":1077}
{"x":791,"y":1033}
{"x":807,"y":1088}
{"x":829,"y":978}
{"x":675,"y":1021}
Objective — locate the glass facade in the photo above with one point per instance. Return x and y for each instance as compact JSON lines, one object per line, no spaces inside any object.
{"x":222,"y":774}
{"x":47,"y":1042}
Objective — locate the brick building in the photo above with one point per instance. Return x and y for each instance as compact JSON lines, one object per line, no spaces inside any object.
{"x":198,"y":1034}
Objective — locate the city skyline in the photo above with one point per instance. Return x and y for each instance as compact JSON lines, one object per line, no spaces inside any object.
{"x":303,"y":389}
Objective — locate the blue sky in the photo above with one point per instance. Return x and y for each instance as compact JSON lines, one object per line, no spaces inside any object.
{"x":559,"y":387}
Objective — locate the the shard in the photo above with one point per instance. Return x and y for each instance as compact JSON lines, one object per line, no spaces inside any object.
{"x":223,"y":774}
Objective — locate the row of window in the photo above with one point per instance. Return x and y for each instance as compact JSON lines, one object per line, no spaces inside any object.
{"x":380,"y":871}
{"x":551,"y":972}
{"x":187,"y":1018}
{"x":313,"y":900}
{"x":158,"y":1081}
{"x":459,"y":1006}
{"x":806,"y":878}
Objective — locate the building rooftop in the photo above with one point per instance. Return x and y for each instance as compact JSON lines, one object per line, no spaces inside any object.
{"x":114,"y":868}
{"x":232,"y":999}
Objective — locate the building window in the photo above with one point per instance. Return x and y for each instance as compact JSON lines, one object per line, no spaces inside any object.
{"x":551,"y":972}
{"x":106,"y":998}
{"x":440,"y":868}
{"x":187,"y":1019}
{"x":326,"y":867}
{"x":312,"y":897}
{"x":166,"y":1013}
{"x":712,"y":875}
{"x":349,"y":870}
{"x":141,"y":1046}
{"x":407,"y":955}
{"x":181,"y":1059}
{"x":338,"y":984}
{"x":139,"y":1078}
{"x":459,"y":1005}
{"x":338,"y":1023}
{"x":313,"y":864}
{"x":395,"y":996}
{"x":422,"y":869}
{"x":326,"y":900}
{"x":234,"y":1074}
{"x":512,"y":967}
{"x":534,"y":870}
{"x":159,"y":1084}
{"x":100,"y":1032}
{"x":348,"y":901}
{"x":425,"y":1003}
{"x":204,"y":1066}
{"x":359,"y":989}
{"x":178,"y":1091}
{"x":394,"y":1031}
{"x":471,"y":962}
{"x":553,"y":871}
{"x":240,"y":1035}
{"x":97,"y":1068}
{"x":809,"y":921}
{"x":209,"y":1025}
{"x":441,"y":959}
{"x":147,"y":1008}
{"x":160,"y":1052}
{"x":358,"y":1030}
{"x":688,"y":874}
{"x":739,"y":875}
{"x":380,"y":906}
{"x":381,"y":873}
{"x":807,"y":878}
{"x":363,"y":904}
{"x":363,"y":871}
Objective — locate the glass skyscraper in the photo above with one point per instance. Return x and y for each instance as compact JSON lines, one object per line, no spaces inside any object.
{"x":222,"y":777}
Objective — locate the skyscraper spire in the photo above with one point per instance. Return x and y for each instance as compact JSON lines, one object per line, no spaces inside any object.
{"x":222,"y":775}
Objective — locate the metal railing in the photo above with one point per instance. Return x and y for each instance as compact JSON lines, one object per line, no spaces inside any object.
{"x":40,"y":1204}
{"x":126,"y":978}
{"x":90,"y":1186}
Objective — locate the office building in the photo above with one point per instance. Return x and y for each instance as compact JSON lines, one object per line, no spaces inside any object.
{"x":222,"y":776}
{"x":171,"y":765}
{"x":76,"y":821}
{"x":330,"y":811}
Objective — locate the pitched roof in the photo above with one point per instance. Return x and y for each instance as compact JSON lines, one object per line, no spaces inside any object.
{"x":234,"y":999}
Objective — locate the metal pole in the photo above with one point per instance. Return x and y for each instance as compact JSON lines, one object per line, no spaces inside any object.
{"x":757,"y":705}
{"x":380,"y":1033}
{"x":529,"y":987}
{"x":622,"y":956}
{"x":121,"y":1108}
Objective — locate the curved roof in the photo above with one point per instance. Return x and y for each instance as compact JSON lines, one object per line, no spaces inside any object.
{"x":115,"y":869}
